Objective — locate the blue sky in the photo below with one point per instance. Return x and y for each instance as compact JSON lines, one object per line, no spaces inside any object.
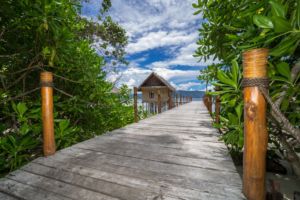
{"x":162,"y":38}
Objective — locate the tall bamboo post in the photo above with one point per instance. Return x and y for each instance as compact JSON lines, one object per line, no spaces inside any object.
{"x":177,"y":100}
{"x":159,"y":101}
{"x":170,"y":102}
{"x":46,"y":79}
{"x":209,"y":104}
{"x":135,"y":107}
{"x":218,"y":107}
{"x":255,"y":129}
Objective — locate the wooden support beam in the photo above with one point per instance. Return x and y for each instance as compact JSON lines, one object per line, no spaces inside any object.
{"x":255,"y":129}
{"x":177,"y":100}
{"x":209,"y":105}
{"x":135,"y":107}
{"x":180,"y":99}
{"x":46,"y":79}
{"x":170,"y":100}
{"x":159,"y":101}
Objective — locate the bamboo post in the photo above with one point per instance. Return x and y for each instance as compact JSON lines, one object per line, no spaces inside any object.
{"x":159,"y":101}
{"x":46,"y":79}
{"x":255,"y":129}
{"x":135,"y":90}
{"x":209,"y":104}
{"x":217,"y":108}
{"x":177,"y":100}
{"x":170,"y":100}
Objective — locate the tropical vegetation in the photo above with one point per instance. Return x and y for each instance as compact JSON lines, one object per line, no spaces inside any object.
{"x":52,"y":35}
{"x":232,"y":27}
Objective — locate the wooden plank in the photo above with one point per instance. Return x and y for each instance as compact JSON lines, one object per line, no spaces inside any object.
{"x":102,"y":186}
{"x":153,"y":155}
{"x":175,"y":143}
{"x":172,"y":185}
{"x":25,"y":191}
{"x":97,"y":158}
{"x":5,"y":196}
{"x":62,"y":188}
{"x":210,"y":154}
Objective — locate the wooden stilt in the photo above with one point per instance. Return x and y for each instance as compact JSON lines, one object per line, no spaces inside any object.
{"x":209,"y":104}
{"x":46,"y":79}
{"x":170,"y":99}
{"x":159,"y":101}
{"x":180,"y":99}
{"x":255,"y":129}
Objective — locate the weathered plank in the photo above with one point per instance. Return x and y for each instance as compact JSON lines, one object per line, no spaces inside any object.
{"x":25,"y":191}
{"x":171,"y":156}
{"x":4,"y":196}
{"x":145,"y":180}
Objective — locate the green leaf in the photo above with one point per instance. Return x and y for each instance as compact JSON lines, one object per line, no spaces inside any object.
{"x":225,"y":79}
{"x":63,"y":124}
{"x":195,"y":5}
{"x":24,"y":129}
{"x":239,"y":110}
{"x":233,"y":119}
{"x":277,"y":9}
{"x":197,"y":12}
{"x":21,"y":109}
{"x":284,"y":69}
{"x":232,"y":102}
{"x":235,"y":70}
{"x":281,"y":25}
{"x":285,"y":46}
{"x":298,"y":14}
{"x":262,"y":21}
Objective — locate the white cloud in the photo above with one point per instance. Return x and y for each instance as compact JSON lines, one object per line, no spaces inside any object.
{"x":160,"y":39}
{"x":187,"y":86}
{"x":183,"y":57}
{"x":151,"y":24}
{"x":139,"y":17}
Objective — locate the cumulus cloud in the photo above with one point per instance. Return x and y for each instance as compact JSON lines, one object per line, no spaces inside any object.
{"x":160,"y":39}
{"x":183,"y":57}
{"x":154,"y":24}
{"x":187,"y":86}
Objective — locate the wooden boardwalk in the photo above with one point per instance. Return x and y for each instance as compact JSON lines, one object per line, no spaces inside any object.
{"x":174,"y":155}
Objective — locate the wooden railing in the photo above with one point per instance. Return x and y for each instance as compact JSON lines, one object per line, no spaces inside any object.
{"x":255,"y":129}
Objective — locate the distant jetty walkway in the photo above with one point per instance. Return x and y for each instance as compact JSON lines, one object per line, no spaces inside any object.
{"x":173,"y":155}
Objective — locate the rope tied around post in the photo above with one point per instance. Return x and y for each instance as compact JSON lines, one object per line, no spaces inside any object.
{"x":255,"y":82}
{"x":46,"y":84}
{"x":263,"y":85}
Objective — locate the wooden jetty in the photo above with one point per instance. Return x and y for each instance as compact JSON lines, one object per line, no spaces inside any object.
{"x":173,"y":155}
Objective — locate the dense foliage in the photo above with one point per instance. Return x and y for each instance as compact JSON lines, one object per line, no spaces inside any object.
{"x":51,"y":35}
{"x":231,"y":27}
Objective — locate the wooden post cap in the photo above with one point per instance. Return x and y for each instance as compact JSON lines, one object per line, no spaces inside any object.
{"x":254,"y":63}
{"x":46,"y":76}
